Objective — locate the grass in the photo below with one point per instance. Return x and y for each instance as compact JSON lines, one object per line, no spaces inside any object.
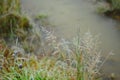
{"x":88,"y":57}
{"x":115,"y":4}
{"x":13,"y":24}
{"x":19,"y":67}
{"x":81,"y":61}
{"x":78,"y":59}
{"x":110,"y":8}
{"x":114,"y":12}
{"x":41,"y":16}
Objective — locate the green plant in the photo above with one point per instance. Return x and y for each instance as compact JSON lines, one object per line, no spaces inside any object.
{"x":78,"y":60}
{"x":13,"y":24}
{"x":41,"y":16}
{"x":81,"y":60}
{"x":115,"y":4}
{"x":102,"y":9}
{"x":88,"y":57}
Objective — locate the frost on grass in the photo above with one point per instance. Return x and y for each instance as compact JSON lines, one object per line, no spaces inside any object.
{"x":88,"y":48}
{"x":78,"y":59}
{"x":82,"y":53}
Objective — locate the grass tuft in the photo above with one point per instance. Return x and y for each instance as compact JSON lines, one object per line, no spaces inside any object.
{"x":13,"y":24}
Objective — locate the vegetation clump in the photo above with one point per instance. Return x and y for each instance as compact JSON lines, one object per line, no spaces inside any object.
{"x":12,"y":23}
{"x":114,"y":11}
{"x":81,"y":61}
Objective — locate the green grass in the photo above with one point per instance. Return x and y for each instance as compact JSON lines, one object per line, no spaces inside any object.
{"x":78,"y":61}
{"x":12,"y":22}
{"x":81,"y":63}
{"x":109,"y":6}
{"x":41,"y":16}
{"x":115,"y":4}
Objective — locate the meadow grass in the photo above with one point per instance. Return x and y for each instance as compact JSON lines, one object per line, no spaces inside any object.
{"x":115,"y":4}
{"x":13,"y":23}
{"x":81,"y":61}
{"x":110,"y":8}
{"x":78,"y":59}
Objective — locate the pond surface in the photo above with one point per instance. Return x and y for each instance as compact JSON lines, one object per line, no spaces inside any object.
{"x":68,"y":15}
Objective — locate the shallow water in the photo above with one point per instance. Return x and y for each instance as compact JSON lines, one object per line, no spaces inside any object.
{"x":67,"y":16}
